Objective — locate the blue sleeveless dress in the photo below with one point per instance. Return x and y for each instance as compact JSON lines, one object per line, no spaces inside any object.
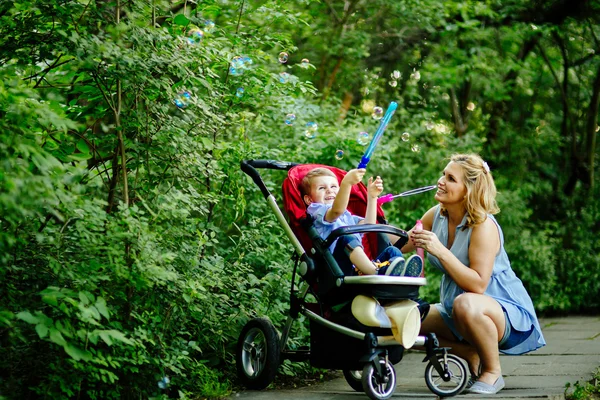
{"x":505,"y":287}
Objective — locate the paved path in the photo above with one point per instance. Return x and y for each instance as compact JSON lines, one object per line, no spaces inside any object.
{"x":572,"y":354}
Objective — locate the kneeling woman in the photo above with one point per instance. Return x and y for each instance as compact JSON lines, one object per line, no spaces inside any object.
{"x":484,"y":307}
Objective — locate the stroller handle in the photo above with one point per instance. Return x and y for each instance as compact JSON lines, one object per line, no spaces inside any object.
{"x":249,"y":167}
{"x":364,"y":228}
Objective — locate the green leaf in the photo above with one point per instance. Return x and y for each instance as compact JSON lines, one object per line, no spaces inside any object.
{"x":101,"y":307}
{"x":109,"y":335}
{"x":181,"y":19}
{"x":27,"y":317}
{"x":57,"y":337}
{"x":42,"y":330}
{"x":77,"y":353}
{"x":83,"y":147}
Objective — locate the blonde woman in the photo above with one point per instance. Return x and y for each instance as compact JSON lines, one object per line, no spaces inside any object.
{"x":484,"y":307}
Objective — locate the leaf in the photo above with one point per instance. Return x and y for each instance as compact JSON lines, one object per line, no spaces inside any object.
{"x":42,"y":330}
{"x":79,"y":156}
{"x":109,"y":335}
{"x":27,"y":317}
{"x":51,"y":300}
{"x":181,"y":19}
{"x":101,"y":307}
{"x":83,"y":147}
{"x":57,"y":337}
{"x":77,"y":353}
{"x":106,"y":337}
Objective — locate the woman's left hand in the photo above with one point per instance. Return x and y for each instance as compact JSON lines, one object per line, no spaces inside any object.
{"x":428,"y":241}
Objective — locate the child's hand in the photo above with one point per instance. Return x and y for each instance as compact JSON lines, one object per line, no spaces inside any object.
{"x":375,"y":187}
{"x":354,"y":176}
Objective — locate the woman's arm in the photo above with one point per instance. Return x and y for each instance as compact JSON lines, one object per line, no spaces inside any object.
{"x":484,"y":245}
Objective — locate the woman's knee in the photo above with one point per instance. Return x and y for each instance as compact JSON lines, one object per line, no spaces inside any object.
{"x":466,"y":305}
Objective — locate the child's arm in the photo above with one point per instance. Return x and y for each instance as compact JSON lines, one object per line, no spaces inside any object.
{"x":375,"y":188}
{"x":340,"y":203}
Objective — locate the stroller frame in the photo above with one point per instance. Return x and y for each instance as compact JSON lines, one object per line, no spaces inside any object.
{"x":260,"y":349}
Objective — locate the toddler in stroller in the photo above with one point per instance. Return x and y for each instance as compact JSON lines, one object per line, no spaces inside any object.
{"x":358,"y":324}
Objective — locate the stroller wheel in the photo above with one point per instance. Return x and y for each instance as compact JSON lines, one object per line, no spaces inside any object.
{"x":257,"y":354}
{"x":354,"y":379}
{"x":454,"y":383}
{"x":379,"y":386}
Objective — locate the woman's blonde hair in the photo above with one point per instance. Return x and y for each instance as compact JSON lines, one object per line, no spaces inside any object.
{"x":481,"y":190}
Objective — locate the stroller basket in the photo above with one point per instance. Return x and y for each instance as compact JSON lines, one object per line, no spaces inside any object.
{"x":340,"y":339}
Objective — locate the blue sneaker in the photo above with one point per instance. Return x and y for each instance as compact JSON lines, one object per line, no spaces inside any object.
{"x":413,"y":266}
{"x":396,"y":266}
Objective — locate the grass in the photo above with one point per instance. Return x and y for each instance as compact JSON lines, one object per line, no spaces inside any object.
{"x":587,"y":391}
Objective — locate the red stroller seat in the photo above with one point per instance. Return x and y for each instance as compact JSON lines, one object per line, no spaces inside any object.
{"x":296,"y":208}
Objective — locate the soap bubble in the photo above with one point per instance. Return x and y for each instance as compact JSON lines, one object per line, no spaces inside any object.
{"x":312,"y":126}
{"x":283,"y":57}
{"x":405,"y":136}
{"x":396,"y":75}
{"x":471,"y":106}
{"x":289,"y":119}
{"x":363,"y":138}
{"x":311,"y":129}
{"x":393,"y":83}
{"x":183,"y":99}
{"x":284,"y":77}
{"x":164,"y":382}
{"x":304,"y":63}
{"x":415,"y":148}
{"x":209,"y":26}
{"x":367,"y":106}
{"x":310,"y":134}
{"x":239,"y":92}
{"x":239,"y":64}
{"x":339,"y":154}
{"x":195,"y":36}
{"x":377,"y":113}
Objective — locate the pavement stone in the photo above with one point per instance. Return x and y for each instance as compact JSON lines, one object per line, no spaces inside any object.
{"x":572,"y":354}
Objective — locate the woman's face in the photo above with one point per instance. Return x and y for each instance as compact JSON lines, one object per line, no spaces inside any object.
{"x":451,"y":187}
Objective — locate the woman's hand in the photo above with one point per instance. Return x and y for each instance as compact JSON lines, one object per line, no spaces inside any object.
{"x":427,"y":241}
{"x":375,"y":187}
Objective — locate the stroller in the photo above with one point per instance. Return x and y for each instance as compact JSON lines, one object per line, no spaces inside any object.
{"x":342,"y":336}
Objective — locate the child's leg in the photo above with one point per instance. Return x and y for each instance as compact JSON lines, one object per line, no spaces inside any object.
{"x":389,"y":253}
{"x":362,"y":262}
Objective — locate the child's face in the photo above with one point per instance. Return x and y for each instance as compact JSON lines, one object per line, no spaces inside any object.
{"x":323,"y":189}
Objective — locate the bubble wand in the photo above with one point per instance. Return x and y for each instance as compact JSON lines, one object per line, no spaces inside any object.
{"x":389,"y":197}
{"x":382,"y":125}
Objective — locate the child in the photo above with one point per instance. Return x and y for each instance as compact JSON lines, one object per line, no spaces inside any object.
{"x":327,"y":202}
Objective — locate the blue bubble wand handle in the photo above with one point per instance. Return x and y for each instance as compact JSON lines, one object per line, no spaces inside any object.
{"x":382,"y":125}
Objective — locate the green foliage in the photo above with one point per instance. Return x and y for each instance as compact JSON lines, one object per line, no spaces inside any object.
{"x":132,"y":247}
{"x":586,"y":391}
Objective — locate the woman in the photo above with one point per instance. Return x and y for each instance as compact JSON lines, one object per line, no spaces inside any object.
{"x":484,"y":307}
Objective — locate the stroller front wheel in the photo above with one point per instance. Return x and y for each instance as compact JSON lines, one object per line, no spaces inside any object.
{"x":379,"y":386}
{"x":257,"y":355}
{"x":455,"y":380}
